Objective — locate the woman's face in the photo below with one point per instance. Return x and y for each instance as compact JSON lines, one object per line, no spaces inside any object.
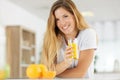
{"x":65,"y":21}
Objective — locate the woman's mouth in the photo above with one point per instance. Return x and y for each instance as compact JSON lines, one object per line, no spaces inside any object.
{"x":66,"y":27}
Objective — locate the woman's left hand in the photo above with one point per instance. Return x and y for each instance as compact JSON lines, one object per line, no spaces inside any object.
{"x":68,"y":56}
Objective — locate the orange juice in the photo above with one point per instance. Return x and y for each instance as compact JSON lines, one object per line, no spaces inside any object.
{"x":73,"y":43}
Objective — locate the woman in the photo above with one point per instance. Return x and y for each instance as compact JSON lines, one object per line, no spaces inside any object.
{"x":64,"y":23}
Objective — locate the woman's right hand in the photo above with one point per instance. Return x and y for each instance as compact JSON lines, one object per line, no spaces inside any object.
{"x":68,"y":56}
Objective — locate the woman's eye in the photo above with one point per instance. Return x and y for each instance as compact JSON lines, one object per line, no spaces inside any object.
{"x":65,"y":16}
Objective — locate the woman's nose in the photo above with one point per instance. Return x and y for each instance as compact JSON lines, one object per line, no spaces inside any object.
{"x":62,"y":22}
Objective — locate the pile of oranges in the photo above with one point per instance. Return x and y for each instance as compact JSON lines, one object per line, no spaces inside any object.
{"x":39,"y":71}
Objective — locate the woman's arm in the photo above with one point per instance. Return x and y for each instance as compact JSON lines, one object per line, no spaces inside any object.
{"x":86,"y":57}
{"x":61,"y":67}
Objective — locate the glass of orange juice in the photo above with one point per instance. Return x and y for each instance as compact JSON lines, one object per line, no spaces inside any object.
{"x":73,"y":44}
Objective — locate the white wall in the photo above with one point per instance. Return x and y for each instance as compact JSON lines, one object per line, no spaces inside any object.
{"x":2,"y":46}
{"x":108,"y":51}
{"x":11,"y":14}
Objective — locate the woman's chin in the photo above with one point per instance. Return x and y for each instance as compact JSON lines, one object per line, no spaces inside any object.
{"x":68,"y":33}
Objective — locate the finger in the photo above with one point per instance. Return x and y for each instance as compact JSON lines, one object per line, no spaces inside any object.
{"x":68,"y":48}
{"x":68,"y":56}
{"x":69,"y":51}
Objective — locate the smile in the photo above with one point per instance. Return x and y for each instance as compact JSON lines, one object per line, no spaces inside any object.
{"x":66,"y":27}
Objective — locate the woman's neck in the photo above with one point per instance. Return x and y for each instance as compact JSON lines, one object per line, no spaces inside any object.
{"x":71,"y":36}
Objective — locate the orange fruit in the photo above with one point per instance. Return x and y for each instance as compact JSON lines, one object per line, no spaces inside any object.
{"x":43,"y":69}
{"x":33,"y":71}
{"x":49,"y":75}
{"x":39,"y":71}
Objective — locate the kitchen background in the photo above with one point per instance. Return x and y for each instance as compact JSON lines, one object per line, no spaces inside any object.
{"x":31,"y":16}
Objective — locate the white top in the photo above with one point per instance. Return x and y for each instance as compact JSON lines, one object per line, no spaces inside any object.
{"x":86,"y":40}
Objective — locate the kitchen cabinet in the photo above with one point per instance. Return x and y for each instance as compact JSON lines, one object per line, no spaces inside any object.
{"x":20,"y":50}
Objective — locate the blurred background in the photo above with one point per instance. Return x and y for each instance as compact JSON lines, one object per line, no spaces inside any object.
{"x":22,"y":27}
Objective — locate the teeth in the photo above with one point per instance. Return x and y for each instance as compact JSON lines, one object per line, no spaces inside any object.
{"x":65,"y":27}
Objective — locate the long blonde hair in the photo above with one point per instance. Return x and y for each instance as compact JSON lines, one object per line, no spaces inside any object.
{"x":53,"y":36}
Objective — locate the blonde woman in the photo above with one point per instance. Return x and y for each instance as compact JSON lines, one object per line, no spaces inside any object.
{"x":65,"y":22}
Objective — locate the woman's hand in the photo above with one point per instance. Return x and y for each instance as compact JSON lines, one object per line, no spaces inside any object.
{"x":61,"y":67}
{"x":68,"y":56}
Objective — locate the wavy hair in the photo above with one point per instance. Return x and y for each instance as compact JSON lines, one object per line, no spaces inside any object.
{"x":53,"y":37}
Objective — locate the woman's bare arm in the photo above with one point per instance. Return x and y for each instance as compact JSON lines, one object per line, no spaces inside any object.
{"x":86,"y":57}
{"x":61,"y":67}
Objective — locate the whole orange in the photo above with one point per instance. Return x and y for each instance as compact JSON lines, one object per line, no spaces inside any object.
{"x":33,"y":71}
{"x":43,"y":69}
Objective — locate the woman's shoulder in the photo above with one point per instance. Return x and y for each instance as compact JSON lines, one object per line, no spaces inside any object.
{"x":87,"y":33}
